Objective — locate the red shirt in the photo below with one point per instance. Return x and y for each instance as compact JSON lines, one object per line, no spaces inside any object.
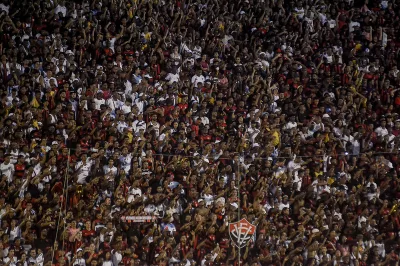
{"x":168,"y":110}
{"x":88,"y":233}
{"x":183,"y":106}
{"x":306,"y":181}
{"x":206,"y":138}
{"x":195,"y":128}
{"x":19,"y":170}
{"x":396,"y":132}
{"x":230,"y":108}
{"x":346,"y":79}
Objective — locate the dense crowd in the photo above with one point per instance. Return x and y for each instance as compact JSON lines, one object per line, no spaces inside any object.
{"x":199,"y":113}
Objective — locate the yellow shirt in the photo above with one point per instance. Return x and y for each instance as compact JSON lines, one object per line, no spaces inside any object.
{"x":35,"y":124}
{"x":317,"y":174}
{"x":147,"y":36}
{"x":130,"y":137}
{"x":35,"y":103}
{"x":276,"y":138}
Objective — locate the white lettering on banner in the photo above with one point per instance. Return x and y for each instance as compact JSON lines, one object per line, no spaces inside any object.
{"x":139,"y":219}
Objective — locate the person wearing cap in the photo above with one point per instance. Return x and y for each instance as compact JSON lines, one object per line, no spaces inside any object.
{"x":54,"y":143}
{"x":77,"y":259}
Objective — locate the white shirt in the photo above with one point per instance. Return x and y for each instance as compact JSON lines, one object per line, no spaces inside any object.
{"x":226,"y":39}
{"x":282,"y":205}
{"x":290,"y":125}
{"x":7,"y":170}
{"x":381,"y":132}
{"x":346,"y":138}
{"x":352,"y":25}
{"x":197,"y":52}
{"x":299,"y":12}
{"x":390,"y":138}
{"x":98,"y":103}
{"x":184,"y":48}
{"x":16,"y":232}
{"x":2,"y":212}
{"x":39,"y":260}
{"x":213,"y":257}
{"x":318,"y":127}
{"x":36,"y":169}
{"x":79,"y":262}
{"x":61,"y":9}
{"x":126,"y":109}
{"x":310,"y":23}
{"x":13,"y":261}
{"x":140,"y":105}
{"x":128,"y":88}
{"x":196,"y":79}
{"x":332,"y":23}
{"x":126,"y":162}
{"x":47,"y":81}
{"x":121,"y":126}
{"x":337,"y":131}
{"x":204,"y":120}
{"x":10,"y":98}
{"x":293,"y":166}
{"x":156,"y":127}
{"x":322,"y":18}
{"x":356,"y":147}
{"x":117,"y":257}
{"x":319,"y":189}
{"x":171,"y":78}
{"x":209,"y":199}
{"x":112,"y":43}
{"x":269,"y":55}
{"x":108,"y":263}
{"x":110,"y":170}
{"x":113,"y":104}
{"x":133,"y":194}
{"x":14,"y":156}
{"x":84,"y":171}
{"x":189,"y":62}
{"x":137,"y":125}
{"x":268,"y":206}
{"x":381,"y":249}
{"x":5,"y":8}
{"x":53,"y":118}
{"x":328,"y":58}
{"x":263,"y":63}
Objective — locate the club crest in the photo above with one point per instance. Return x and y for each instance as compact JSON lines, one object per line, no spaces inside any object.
{"x":241,"y":232}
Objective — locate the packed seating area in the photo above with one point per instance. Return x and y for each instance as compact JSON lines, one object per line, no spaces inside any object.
{"x":135,"y":132}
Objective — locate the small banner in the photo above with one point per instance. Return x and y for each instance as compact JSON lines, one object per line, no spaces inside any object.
{"x":241,"y":232}
{"x":139,"y":219}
